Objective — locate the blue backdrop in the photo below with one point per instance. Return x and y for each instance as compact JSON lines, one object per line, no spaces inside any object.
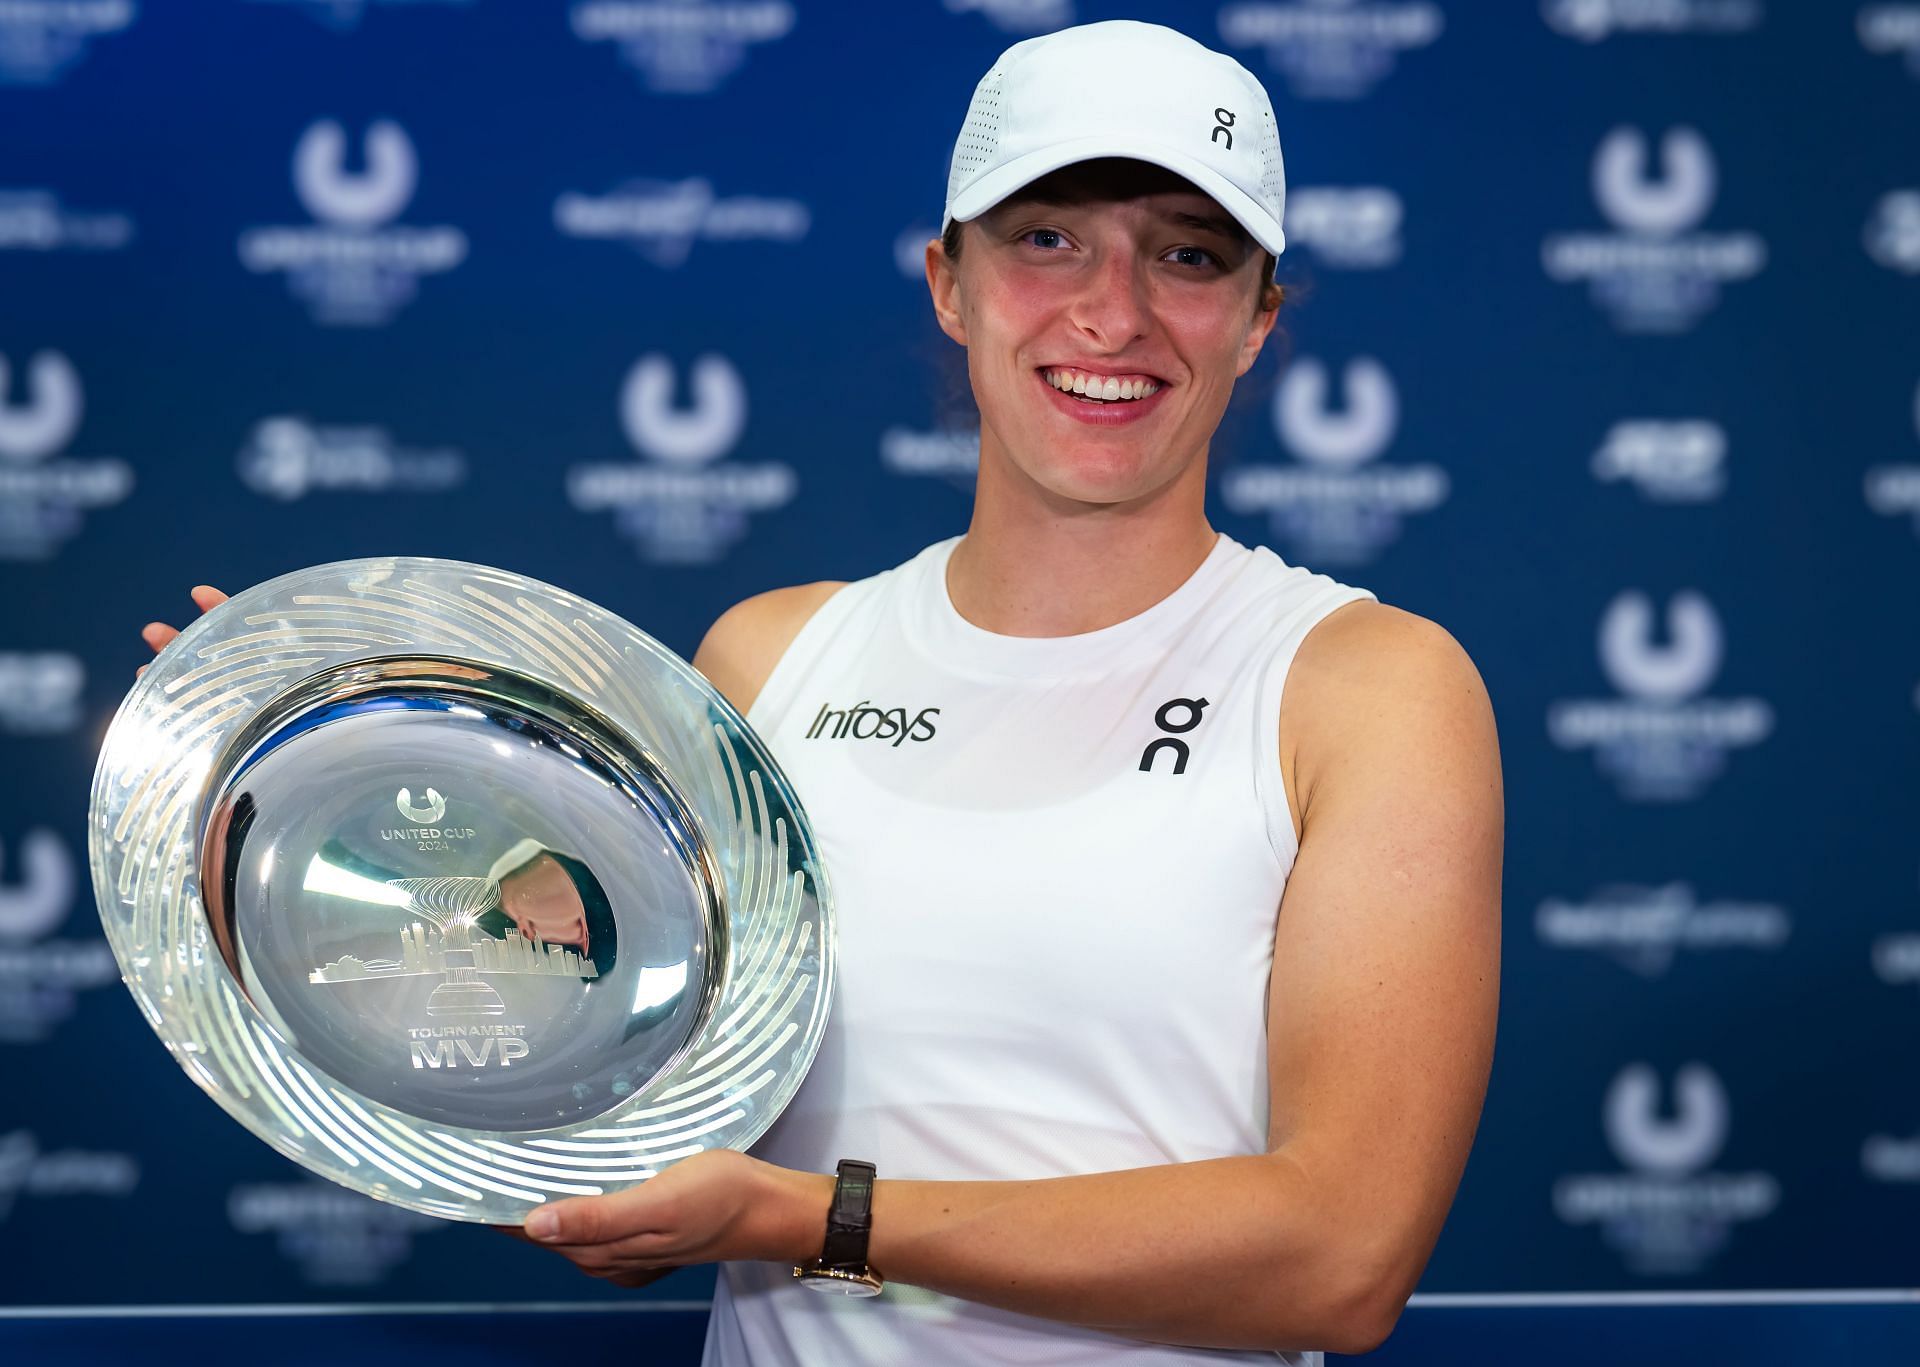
{"x":1603,"y":351}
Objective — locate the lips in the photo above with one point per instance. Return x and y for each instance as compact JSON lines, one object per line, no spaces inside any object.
{"x":1102,"y":413}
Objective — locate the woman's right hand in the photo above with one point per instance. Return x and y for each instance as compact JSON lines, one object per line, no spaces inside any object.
{"x":157,"y":634}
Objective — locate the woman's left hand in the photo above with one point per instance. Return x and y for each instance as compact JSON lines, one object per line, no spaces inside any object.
{"x":715,"y":1206}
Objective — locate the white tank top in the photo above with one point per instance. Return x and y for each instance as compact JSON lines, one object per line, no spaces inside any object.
{"x":1057,"y":863}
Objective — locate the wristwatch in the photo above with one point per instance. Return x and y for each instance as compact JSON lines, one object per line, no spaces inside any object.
{"x":842,"y":1264}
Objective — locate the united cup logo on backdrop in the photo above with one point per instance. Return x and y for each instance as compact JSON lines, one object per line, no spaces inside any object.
{"x":1660,"y":741}
{"x":41,"y":978}
{"x":43,"y":500}
{"x":1655,"y":272}
{"x":1894,"y":490}
{"x":1670,"y":1214}
{"x":1331,"y":49}
{"x":682,"y":47}
{"x":1339,"y":505}
{"x":1350,"y":227}
{"x":682,"y":504}
{"x":353,"y":266}
{"x":1669,"y":461}
{"x":41,"y":40}
{"x":334,"y":1236}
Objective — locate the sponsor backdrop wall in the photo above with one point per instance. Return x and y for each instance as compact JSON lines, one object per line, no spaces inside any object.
{"x":1604,"y":352}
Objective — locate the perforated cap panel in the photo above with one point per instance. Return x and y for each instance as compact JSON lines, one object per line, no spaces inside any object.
{"x":980,"y":135}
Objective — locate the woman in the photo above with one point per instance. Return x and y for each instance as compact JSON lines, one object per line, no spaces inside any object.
{"x":1124,"y":1101}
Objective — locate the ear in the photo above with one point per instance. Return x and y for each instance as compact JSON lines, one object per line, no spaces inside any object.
{"x":944,"y":285}
{"x":1258,"y":329}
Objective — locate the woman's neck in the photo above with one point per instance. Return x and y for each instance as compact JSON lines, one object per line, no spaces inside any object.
{"x":1032,"y":564}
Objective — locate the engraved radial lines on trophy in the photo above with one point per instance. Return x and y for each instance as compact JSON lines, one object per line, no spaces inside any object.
{"x":1638,"y":202}
{"x":367,"y":199}
{"x":695,"y":434}
{"x":1678,"y":670}
{"x":1304,"y":419}
{"x":44,"y":420}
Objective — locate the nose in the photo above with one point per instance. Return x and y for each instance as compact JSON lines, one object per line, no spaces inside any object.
{"x":1110,"y":309}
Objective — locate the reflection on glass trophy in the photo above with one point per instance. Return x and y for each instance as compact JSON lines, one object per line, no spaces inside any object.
{"x":442,"y":940}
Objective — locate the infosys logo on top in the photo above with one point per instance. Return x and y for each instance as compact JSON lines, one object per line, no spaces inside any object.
{"x":864,"y":721}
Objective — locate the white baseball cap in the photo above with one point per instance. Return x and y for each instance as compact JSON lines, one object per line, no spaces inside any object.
{"x":1122,"y":88}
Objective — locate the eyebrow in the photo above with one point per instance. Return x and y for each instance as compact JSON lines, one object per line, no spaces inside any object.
{"x":1222,"y":224}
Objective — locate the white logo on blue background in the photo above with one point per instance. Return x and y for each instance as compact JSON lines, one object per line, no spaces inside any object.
{"x":1668,"y":461}
{"x":354,"y":266}
{"x":1655,"y":273}
{"x":40,"y":691}
{"x":1891,"y":29}
{"x":682,"y":504}
{"x":40,"y":42}
{"x":663,"y":219}
{"x":43,"y":500}
{"x":1331,"y":49}
{"x":951,"y":454}
{"x":28,"y":1171}
{"x":1892,"y":234}
{"x":334,"y":1236}
{"x":1017,"y":16}
{"x":1591,"y":21}
{"x":344,"y":15}
{"x":1893,"y":490}
{"x":36,"y":221}
{"x":1339,"y":505}
{"x":40,"y":978}
{"x":1350,"y":227}
{"x":1660,"y":741}
{"x":682,"y":47}
{"x":1670,"y":1214}
{"x":1644,"y":928}
{"x":910,"y":251}
{"x":287,"y":458}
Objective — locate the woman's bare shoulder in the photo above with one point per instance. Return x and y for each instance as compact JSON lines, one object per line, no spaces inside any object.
{"x":748,"y":639}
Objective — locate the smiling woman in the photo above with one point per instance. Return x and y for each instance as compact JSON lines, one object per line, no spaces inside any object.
{"x":1169,"y":929}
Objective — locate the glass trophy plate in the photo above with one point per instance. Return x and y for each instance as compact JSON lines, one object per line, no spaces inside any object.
{"x":457,"y":889}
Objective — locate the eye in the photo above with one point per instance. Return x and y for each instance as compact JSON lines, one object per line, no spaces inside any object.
{"x":1049,"y":239}
{"x":1188,"y":255}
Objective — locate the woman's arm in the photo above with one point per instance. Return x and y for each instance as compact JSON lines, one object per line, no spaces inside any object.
{"x":1380,"y":1037}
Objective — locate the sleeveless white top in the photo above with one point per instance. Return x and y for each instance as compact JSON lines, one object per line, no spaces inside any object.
{"x":1057,"y":863}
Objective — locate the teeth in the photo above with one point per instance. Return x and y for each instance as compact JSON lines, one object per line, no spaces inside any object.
{"x":1104,"y":387}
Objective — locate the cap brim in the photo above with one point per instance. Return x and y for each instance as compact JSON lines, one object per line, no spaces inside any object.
{"x":997,"y":184}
